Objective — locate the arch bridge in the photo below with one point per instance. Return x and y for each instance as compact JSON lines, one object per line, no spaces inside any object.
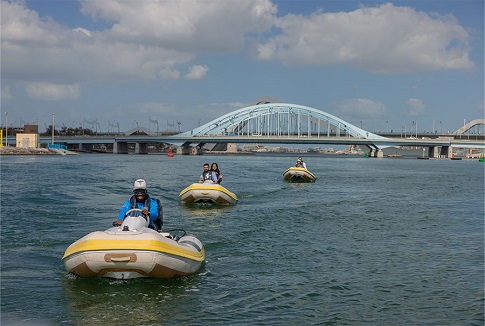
{"x":283,"y":123}
{"x":292,"y":123}
{"x":279,"y":120}
{"x":470,"y":125}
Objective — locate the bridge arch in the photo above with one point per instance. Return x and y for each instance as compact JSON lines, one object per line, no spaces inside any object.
{"x":470,"y":125}
{"x":280,"y":120}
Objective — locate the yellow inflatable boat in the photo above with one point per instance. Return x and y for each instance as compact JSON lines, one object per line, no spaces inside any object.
{"x":207,"y":192}
{"x":132,"y":250}
{"x":295,"y":174}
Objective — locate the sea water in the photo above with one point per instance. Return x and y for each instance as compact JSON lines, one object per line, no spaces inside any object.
{"x":372,"y":241}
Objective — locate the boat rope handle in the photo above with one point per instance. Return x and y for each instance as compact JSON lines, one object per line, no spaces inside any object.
{"x":120,"y":259}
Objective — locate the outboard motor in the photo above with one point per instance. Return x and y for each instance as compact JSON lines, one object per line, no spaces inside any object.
{"x":191,"y":241}
{"x":134,"y":223}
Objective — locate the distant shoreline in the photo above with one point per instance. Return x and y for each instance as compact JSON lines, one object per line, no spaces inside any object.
{"x":4,"y":150}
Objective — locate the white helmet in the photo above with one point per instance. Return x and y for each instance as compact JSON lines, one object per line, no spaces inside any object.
{"x":140,"y":184}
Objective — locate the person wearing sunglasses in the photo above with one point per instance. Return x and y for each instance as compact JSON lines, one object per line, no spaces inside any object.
{"x":150,"y":208}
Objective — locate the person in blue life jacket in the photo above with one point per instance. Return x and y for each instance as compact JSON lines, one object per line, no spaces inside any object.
{"x":300,"y":163}
{"x":215,"y":169}
{"x":151,"y":208}
{"x":208,"y":175}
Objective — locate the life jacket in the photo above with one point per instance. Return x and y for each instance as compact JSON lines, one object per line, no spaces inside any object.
{"x":159,"y":220}
{"x":217,"y":173}
{"x":207,"y":175}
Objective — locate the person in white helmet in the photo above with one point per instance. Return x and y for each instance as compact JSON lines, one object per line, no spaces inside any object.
{"x":150,"y":207}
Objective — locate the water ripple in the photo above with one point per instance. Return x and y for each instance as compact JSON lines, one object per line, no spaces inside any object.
{"x":370,"y":242}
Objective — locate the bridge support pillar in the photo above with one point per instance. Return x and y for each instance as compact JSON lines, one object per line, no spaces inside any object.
{"x":446,"y":152}
{"x":141,"y":148}
{"x":432,"y":152}
{"x":120,"y":148}
{"x":231,"y":148}
{"x":189,"y":150}
{"x":86,"y":147}
{"x":378,"y":153}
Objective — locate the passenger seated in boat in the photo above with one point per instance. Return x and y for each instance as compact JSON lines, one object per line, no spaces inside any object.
{"x":207,"y":175}
{"x":219,"y":175}
{"x":300,"y":163}
{"x":151,"y":208}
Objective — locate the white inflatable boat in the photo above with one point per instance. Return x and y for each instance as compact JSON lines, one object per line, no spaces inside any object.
{"x":295,"y":174}
{"x":207,"y":192}
{"x":133,"y":250}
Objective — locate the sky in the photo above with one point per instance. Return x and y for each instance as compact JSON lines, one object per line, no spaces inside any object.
{"x":122,"y":64}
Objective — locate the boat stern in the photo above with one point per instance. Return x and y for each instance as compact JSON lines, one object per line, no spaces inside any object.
{"x":125,"y":255}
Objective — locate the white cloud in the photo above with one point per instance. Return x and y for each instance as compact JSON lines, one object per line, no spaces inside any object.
{"x":82,"y":31}
{"x":49,"y":91}
{"x":146,"y":40}
{"x":21,"y":25}
{"x":361,"y":108}
{"x":415,"y":107}
{"x":191,"y":25}
{"x":197,"y":72}
{"x":152,"y":39}
{"x":68,"y":56}
{"x":384,"y":39}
